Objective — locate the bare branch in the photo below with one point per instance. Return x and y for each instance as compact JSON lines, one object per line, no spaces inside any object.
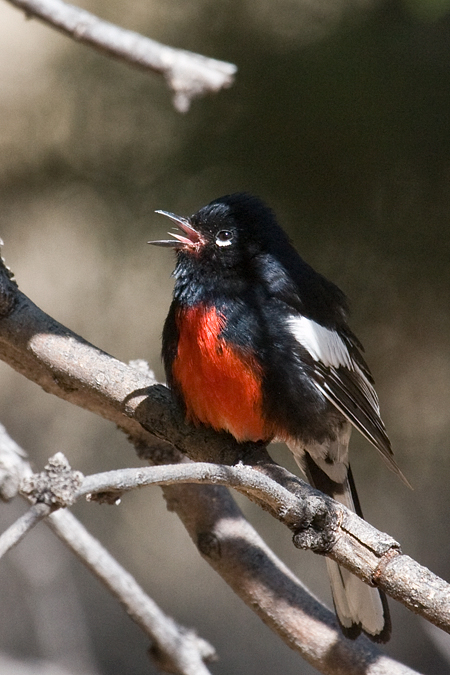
{"x":371,"y":555}
{"x":175,"y":649}
{"x":189,"y":75}
{"x":66,"y":365}
{"x":262,"y":575}
{"x":16,"y":532}
{"x":14,"y":469}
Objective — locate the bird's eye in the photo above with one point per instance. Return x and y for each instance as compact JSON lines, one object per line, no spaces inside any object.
{"x":224,"y":238}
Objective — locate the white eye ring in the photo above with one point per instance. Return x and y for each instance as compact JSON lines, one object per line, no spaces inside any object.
{"x":224,"y":238}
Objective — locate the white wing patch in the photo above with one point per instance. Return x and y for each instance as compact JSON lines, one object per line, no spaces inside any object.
{"x":323,"y":344}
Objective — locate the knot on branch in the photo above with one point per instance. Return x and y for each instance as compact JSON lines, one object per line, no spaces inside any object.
{"x":319,"y":525}
{"x":56,"y":486}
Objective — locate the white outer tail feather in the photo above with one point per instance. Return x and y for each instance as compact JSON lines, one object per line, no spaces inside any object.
{"x":356,"y":603}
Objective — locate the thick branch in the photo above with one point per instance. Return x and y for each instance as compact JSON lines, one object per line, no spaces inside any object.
{"x":189,"y":75}
{"x":66,"y":365}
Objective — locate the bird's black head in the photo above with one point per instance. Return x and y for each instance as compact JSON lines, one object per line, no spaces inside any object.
{"x":236,"y":228}
{"x":228,"y":232}
{"x":235,"y":243}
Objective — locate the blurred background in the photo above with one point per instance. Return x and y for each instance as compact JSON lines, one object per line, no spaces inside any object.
{"x":340,"y":120}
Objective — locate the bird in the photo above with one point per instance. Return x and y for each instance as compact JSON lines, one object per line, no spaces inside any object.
{"x":257,"y":343}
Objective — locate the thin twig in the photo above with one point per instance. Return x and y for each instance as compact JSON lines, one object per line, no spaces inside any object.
{"x":370,"y":554}
{"x":241,"y":476}
{"x":24,"y":524}
{"x":175,"y":648}
{"x":189,"y":75}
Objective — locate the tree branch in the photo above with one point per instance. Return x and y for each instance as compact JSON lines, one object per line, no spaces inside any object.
{"x":371,"y":555}
{"x":179,"y":650}
{"x":189,"y":75}
{"x":16,"y":532}
{"x":174,"y":649}
{"x":66,"y":365}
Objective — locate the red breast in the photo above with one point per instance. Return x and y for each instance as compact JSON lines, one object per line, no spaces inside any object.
{"x":220,"y":384}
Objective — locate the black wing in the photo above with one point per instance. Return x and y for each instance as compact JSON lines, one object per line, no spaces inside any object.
{"x":339,"y":371}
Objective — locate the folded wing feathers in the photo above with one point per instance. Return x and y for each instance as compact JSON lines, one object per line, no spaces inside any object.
{"x":339,"y":375}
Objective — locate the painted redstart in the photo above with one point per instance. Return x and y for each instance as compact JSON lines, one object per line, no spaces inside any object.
{"x":257,"y":343}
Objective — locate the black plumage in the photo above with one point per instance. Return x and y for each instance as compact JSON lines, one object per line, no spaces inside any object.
{"x":289,"y":324}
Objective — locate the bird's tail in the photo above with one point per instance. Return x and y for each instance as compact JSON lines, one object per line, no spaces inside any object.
{"x":359,"y":607}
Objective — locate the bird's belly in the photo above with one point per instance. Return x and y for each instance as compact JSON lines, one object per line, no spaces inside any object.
{"x":220,"y":383}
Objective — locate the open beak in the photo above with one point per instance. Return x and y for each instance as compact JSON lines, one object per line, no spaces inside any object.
{"x":192,"y":239}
